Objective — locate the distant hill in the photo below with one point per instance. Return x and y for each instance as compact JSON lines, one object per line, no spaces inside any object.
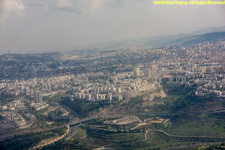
{"x":200,"y":35}
{"x":204,"y":37}
{"x":208,"y":34}
{"x":184,"y":40}
{"x":209,"y":30}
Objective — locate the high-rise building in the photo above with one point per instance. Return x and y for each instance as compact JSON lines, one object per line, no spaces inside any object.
{"x":214,"y":51}
{"x":109,"y":97}
{"x":38,"y":97}
{"x":118,"y":90}
{"x":199,"y":48}
{"x":40,"y":100}
{"x":35,"y":97}
{"x":147,"y":73}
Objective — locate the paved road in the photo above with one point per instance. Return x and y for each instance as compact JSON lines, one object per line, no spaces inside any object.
{"x":71,"y":132}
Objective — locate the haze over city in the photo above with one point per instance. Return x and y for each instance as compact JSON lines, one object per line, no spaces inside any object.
{"x":112,"y":74}
{"x":30,"y":26}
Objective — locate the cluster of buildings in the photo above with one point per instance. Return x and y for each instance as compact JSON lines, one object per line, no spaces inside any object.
{"x":58,"y":114}
{"x":90,"y":86}
{"x":212,"y":87}
{"x":203,"y":65}
{"x":11,"y":120}
{"x":198,"y":64}
{"x":11,"y":116}
{"x":98,"y":93}
{"x":28,"y":87}
{"x":123,"y":85}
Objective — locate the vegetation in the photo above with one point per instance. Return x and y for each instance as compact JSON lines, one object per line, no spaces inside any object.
{"x":56,"y":98}
{"x":188,"y":123}
{"x":42,"y":120}
{"x":26,"y":141}
{"x":89,"y":138}
{"x":83,"y":107}
{"x":212,"y":125}
{"x":135,"y":102}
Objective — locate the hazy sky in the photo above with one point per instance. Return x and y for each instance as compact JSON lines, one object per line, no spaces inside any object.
{"x":39,"y":25}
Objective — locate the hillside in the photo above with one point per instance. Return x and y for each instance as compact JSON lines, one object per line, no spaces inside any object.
{"x":183,"y":39}
{"x":203,"y":38}
{"x":188,"y":121}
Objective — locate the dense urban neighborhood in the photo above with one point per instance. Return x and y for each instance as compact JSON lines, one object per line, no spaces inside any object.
{"x":131,"y":90}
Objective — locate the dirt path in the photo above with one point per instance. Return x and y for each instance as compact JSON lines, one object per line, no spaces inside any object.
{"x":146,"y":137}
{"x":180,"y":136}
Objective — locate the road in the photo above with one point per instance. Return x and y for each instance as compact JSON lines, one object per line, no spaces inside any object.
{"x":73,"y":127}
{"x":180,"y":136}
{"x":146,"y":133}
{"x":44,"y":143}
{"x":73,"y":130}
